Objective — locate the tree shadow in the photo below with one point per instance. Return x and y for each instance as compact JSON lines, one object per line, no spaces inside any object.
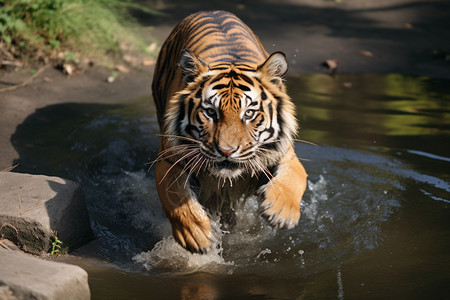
{"x":68,"y":215}
{"x":105,"y":148}
{"x":403,"y":37}
{"x":340,"y":19}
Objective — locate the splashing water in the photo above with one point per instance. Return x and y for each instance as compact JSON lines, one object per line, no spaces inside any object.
{"x":169,"y":256}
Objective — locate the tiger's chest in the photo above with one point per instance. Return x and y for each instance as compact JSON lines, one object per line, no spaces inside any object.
{"x":220,"y":195}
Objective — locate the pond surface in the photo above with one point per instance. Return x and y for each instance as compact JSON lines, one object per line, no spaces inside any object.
{"x":375,"y":217}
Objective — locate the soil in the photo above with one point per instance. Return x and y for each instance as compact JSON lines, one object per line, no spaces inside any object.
{"x":388,"y":36}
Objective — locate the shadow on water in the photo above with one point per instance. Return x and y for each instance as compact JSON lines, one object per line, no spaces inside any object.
{"x":375,"y":218}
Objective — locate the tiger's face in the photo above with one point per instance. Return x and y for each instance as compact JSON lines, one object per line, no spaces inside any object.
{"x":231,"y":118}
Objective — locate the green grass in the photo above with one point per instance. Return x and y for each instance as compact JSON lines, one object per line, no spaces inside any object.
{"x":98,"y":29}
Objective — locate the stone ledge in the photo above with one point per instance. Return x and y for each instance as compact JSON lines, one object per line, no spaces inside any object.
{"x":23,"y":276}
{"x":35,"y":207}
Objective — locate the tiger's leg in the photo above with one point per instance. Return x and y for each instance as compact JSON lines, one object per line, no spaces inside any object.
{"x":282,"y":195}
{"x":191,"y":226}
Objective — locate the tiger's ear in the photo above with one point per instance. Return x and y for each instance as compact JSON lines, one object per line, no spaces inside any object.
{"x":275,"y":67}
{"x":191,"y":65}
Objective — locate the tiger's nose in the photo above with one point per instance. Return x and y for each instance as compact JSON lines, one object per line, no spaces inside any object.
{"x":226,"y":151}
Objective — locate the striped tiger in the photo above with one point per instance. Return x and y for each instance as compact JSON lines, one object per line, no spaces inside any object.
{"x":227,"y":127}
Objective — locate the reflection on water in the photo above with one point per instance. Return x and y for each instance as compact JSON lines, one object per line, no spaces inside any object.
{"x":375,"y":218}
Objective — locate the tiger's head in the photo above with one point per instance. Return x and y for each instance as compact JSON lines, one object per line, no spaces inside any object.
{"x":231,"y":118}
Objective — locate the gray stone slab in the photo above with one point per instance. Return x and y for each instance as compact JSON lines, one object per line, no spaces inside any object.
{"x":23,"y":276}
{"x":34,"y":207}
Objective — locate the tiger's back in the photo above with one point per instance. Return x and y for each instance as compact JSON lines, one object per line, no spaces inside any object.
{"x":215,"y":37}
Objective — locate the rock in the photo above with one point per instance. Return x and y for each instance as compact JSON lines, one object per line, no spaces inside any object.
{"x":23,"y":276}
{"x":35,"y":207}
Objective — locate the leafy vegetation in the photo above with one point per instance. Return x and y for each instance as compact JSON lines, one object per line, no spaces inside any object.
{"x":56,"y":248}
{"x":98,"y":29}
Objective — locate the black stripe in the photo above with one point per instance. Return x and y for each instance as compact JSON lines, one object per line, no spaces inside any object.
{"x":270,"y":146}
{"x":270,"y":113}
{"x":279,"y":116}
{"x":246,"y":78}
{"x":199,"y":120}
{"x":181,"y":114}
{"x":263,"y":93}
{"x":221,"y":86}
{"x":261,"y":121}
{"x":190,"y":130}
{"x":190,"y":108}
{"x":198,"y":95}
{"x":243,"y":87}
{"x":219,"y":77}
{"x":271,"y":132}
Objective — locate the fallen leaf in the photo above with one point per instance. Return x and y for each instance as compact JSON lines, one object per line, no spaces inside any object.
{"x":348,"y":84}
{"x":131,"y":59}
{"x":366,"y":53}
{"x":331,"y":65}
{"x":122,"y":69}
{"x":48,"y":79}
{"x":148,"y":62}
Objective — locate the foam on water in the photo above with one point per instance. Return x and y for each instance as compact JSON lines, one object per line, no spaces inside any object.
{"x":169,"y":256}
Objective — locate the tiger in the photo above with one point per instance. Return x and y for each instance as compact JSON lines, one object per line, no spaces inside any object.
{"x":227,"y":127}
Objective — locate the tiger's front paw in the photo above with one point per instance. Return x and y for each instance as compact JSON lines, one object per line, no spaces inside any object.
{"x":284,"y":192}
{"x":191,"y":227}
{"x":281,"y":211}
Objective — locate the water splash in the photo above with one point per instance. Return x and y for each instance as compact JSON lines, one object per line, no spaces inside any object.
{"x":169,"y":256}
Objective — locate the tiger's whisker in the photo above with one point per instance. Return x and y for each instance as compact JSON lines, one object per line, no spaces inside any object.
{"x":176,"y":148}
{"x":258,"y":166}
{"x":179,"y":137}
{"x":179,"y":151}
{"x":192,"y":169}
{"x":180,"y":159}
{"x":163,"y":155}
{"x":185,"y":168}
{"x":199,"y":168}
{"x":304,"y":142}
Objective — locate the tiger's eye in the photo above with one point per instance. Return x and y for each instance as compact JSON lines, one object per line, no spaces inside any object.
{"x":210,"y":112}
{"x":249,"y":114}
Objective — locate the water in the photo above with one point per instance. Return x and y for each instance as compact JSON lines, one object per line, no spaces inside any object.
{"x":375,"y":217}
